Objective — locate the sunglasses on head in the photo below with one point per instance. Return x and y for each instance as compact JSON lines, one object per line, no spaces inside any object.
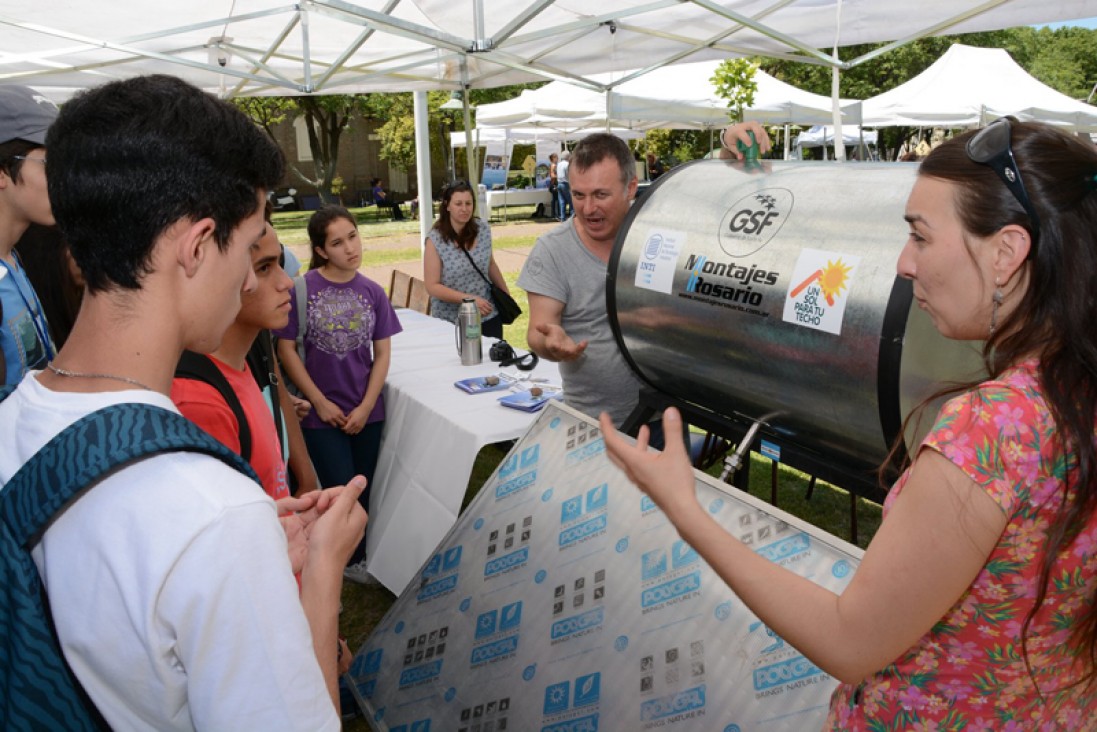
{"x":991,"y":147}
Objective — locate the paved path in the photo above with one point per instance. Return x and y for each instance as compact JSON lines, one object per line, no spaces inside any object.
{"x":510,"y":260}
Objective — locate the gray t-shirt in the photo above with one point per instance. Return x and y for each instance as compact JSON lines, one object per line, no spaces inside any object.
{"x":562,"y":268}
{"x":562,"y":172}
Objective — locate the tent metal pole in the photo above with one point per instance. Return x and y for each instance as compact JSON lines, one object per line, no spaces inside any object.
{"x":786,"y":140}
{"x":835,"y":86}
{"x":470,"y":151}
{"x":422,"y":165}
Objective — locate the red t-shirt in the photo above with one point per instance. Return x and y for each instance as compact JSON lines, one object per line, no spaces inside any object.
{"x":202,"y":404}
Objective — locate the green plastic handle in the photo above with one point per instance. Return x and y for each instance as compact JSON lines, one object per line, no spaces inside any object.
{"x":750,"y":152}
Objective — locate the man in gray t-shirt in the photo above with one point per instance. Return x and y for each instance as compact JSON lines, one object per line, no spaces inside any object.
{"x":565,"y":277}
{"x":564,"y":272}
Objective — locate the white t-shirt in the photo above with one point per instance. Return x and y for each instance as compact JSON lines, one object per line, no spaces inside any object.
{"x":170,"y":586}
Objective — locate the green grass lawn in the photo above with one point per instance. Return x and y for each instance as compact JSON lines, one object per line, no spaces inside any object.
{"x":374,"y":222}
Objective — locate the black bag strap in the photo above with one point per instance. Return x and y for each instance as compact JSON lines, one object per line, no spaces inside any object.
{"x":262,"y":362}
{"x":466,"y":251}
{"x":198,"y":367}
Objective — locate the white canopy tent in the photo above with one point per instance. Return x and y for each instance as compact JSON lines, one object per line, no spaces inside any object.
{"x":970,"y":86}
{"x":680,"y":96}
{"x":825,"y":135}
{"x":483,"y":135}
{"x":248,"y":47}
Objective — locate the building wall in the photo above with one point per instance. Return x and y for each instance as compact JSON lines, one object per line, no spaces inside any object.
{"x":359,"y":161}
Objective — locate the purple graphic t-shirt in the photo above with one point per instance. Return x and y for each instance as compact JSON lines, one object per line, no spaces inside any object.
{"x":344,"y":319}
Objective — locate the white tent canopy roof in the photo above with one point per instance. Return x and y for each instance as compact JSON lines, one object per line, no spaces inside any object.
{"x":969,"y":86}
{"x":485,"y":135}
{"x":679,"y":96}
{"x":247,"y":47}
{"x":778,"y":103}
{"x":824,"y":135}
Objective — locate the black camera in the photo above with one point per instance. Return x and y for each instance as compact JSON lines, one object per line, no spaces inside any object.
{"x":501,"y":351}
{"x":505,"y":354}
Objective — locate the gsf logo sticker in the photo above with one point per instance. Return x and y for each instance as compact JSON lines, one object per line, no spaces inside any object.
{"x":752,"y":221}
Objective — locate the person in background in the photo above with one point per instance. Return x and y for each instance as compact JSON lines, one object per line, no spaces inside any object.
{"x":457,"y":258}
{"x":554,"y":161}
{"x":292,"y":266}
{"x":563,"y":187}
{"x":55,"y":277}
{"x":655,"y":167}
{"x":169,"y":583}
{"x":975,"y":606}
{"x":380,"y":198}
{"x":25,"y":116}
{"x":347,"y":353}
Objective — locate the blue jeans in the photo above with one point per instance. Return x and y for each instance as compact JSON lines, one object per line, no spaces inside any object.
{"x":338,"y":457}
{"x":563,"y":201}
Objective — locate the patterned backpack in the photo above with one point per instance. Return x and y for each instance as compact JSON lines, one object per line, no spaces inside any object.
{"x":37,"y":689}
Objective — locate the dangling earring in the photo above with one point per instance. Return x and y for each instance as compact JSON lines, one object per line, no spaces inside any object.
{"x":996,"y":300}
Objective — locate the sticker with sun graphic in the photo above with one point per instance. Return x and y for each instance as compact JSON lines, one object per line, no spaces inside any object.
{"x":819,"y":289}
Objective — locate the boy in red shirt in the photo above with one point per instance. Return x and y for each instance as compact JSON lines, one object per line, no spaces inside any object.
{"x":267,"y":307}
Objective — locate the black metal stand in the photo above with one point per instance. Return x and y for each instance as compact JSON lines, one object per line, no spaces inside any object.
{"x":859,"y":482}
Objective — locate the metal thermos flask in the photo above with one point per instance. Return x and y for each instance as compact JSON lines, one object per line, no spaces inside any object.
{"x":467,"y":334}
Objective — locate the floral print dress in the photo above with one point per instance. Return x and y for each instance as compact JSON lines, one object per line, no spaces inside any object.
{"x":968,"y":672}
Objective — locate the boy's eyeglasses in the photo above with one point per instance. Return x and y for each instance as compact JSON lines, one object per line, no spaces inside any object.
{"x":991,"y":146}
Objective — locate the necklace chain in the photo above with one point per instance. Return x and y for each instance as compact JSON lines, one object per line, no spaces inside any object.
{"x":80,"y":375}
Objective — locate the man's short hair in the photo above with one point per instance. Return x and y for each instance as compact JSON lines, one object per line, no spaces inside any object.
{"x":594,"y":148}
{"x":130,"y":158}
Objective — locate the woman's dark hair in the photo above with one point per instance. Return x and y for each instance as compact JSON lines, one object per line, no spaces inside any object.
{"x":318,"y":230}
{"x":48,"y":264}
{"x":466,"y":238}
{"x":1054,"y":319}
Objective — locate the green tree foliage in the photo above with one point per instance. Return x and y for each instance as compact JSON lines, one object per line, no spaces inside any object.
{"x":734,"y":82}
{"x":397,"y":134}
{"x":679,"y":146}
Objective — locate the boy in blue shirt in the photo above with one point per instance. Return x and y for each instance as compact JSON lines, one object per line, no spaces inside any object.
{"x":25,"y":116}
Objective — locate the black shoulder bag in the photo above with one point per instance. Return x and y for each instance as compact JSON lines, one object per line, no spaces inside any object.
{"x":509,"y":310}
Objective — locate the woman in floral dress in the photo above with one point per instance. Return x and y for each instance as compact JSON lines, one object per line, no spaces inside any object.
{"x":974,"y":606}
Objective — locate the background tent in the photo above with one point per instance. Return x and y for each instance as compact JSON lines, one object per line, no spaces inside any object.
{"x":255,"y":47}
{"x":823,"y":136}
{"x":680,"y":97}
{"x":970,"y":86}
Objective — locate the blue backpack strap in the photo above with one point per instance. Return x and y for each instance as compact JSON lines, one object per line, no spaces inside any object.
{"x":91,"y":447}
{"x":37,"y":688}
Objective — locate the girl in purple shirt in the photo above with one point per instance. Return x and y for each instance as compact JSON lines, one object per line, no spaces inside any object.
{"x":347,"y":353}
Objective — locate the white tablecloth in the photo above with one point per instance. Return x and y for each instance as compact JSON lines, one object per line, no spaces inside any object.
{"x":432,"y":434}
{"x":519,"y":197}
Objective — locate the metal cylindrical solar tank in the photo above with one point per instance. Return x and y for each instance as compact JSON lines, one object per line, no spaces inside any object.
{"x":773,"y":291}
